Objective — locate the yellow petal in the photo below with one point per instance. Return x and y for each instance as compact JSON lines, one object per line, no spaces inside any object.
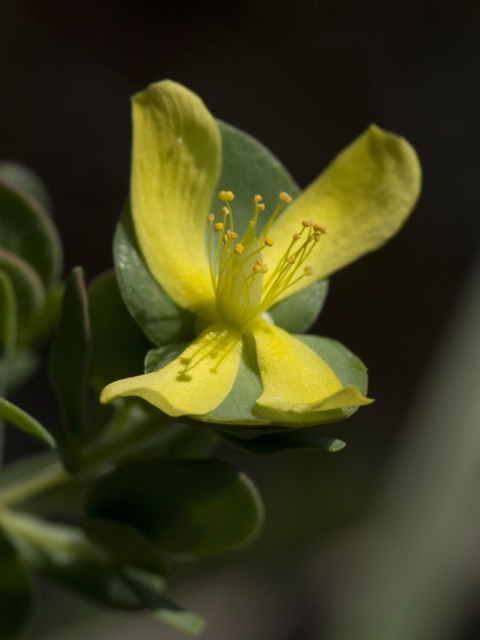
{"x":363,"y":197}
{"x":194,"y":383}
{"x":176,"y":161}
{"x":294,"y":377}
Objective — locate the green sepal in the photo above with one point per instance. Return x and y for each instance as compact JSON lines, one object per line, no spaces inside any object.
{"x":299,"y":312}
{"x":29,"y":289}
{"x":28,"y":232}
{"x":8,"y":318}
{"x":188,"y":508}
{"x":65,"y":555}
{"x":162,"y":321}
{"x":16,"y":416}
{"x":240,"y":415}
{"x":284,"y":441}
{"x":15,"y":591}
{"x":69,"y":361}
{"x":152,"y":590}
{"x":248,"y":169}
{"x":27,"y":180}
{"x":128,"y":545}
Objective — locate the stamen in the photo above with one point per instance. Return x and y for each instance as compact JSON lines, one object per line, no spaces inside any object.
{"x":320,"y":228}
{"x":226,"y":196}
{"x":307,"y":223}
{"x":238,"y":248}
{"x":257,"y":199}
{"x":269,"y":242}
{"x":225,"y":211}
{"x":308,"y":271}
{"x":225,"y":239}
{"x":231,"y":234}
{"x":285,"y":197}
{"x":210,"y":217}
{"x":291,"y":260}
{"x":218,"y":226}
{"x":297,"y":236}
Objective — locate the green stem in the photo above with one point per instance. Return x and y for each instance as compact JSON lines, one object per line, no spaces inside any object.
{"x":38,"y":482}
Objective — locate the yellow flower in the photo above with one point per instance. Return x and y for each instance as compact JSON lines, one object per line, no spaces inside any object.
{"x":230,"y":281}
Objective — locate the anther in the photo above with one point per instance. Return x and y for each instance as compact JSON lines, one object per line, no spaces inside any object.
{"x":225,"y":211}
{"x":218,"y":226}
{"x":317,"y":236}
{"x":260,"y":206}
{"x":264,"y":268}
{"x":232,"y":234}
{"x":257,"y":268}
{"x":308,"y":271}
{"x":210,"y":217}
{"x":307,"y":223}
{"x":296,"y":236}
{"x":320,"y":227}
{"x":291,"y":260}
{"x":226,"y":195}
{"x":257,"y":199}
{"x":285,"y":197}
{"x":225,"y":239}
{"x":269,"y":242}
{"x":238,"y":248}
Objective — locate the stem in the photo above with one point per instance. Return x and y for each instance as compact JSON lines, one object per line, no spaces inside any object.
{"x":37,"y":483}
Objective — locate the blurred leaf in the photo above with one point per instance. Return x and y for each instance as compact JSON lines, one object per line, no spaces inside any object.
{"x":240,"y":408}
{"x":118,"y":345}
{"x":29,"y":290}
{"x":157,"y":315}
{"x":15,"y":591}
{"x":298,"y":313}
{"x":190,"y":508}
{"x":16,"y":368}
{"x":8,"y":317}
{"x":152,"y":590}
{"x":65,"y":555}
{"x":278,"y":442}
{"x":69,"y":362}
{"x":25,"y":467}
{"x":14,"y":415}
{"x":127,"y":544}
{"x":28,"y":232}
{"x":248,"y":169}
{"x":38,"y":327}
{"x":23,"y":177}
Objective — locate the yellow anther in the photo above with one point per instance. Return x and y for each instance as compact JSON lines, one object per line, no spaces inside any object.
{"x":225,"y":211}
{"x":307,"y":223}
{"x":226,"y":195}
{"x":285,"y":197}
{"x":291,"y":260}
{"x":225,"y":239}
{"x":308,"y":271}
{"x":238,"y":248}
{"x":296,"y":236}
{"x":317,"y":237}
{"x":320,"y":228}
{"x":260,"y":206}
{"x":218,"y":226}
{"x":264,"y":268}
{"x":210,"y":217}
{"x":257,"y":199}
{"x":269,"y":242}
{"x":232,"y":234}
{"x":257,"y":268}
{"x":258,"y":262}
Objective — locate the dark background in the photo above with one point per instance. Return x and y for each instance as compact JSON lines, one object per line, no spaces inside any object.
{"x":305,"y":78}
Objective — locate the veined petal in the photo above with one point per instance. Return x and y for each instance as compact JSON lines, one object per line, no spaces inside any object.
{"x":294,"y":377}
{"x":176,"y":162}
{"x":194,"y":383}
{"x":363,"y":197}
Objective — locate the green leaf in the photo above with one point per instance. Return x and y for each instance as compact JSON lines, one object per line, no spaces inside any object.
{"x":189,"y":508}
{"x":36,"y":329}
{"x":69,"y":362}
{"x":24,"y":178}
{"x":159,"y":317}
{"x":240,"y":415}
{"x":15,"y":591}
{"x":65,"y":555}
{"x":298,"y":313}
{"x":118,"y":345}
{"x":8,"y":316}
{"x":28,"y":232}
{"x":29,"y":290}
{"x":128,"y":545}
{"x":152,"y":591}
{"x":248,"y":169}
{"x":16,"y":368}
{"x":16,"y":416}
{"x":279,"y":442}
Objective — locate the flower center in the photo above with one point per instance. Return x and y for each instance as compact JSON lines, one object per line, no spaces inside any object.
{"x":237,"y":269}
